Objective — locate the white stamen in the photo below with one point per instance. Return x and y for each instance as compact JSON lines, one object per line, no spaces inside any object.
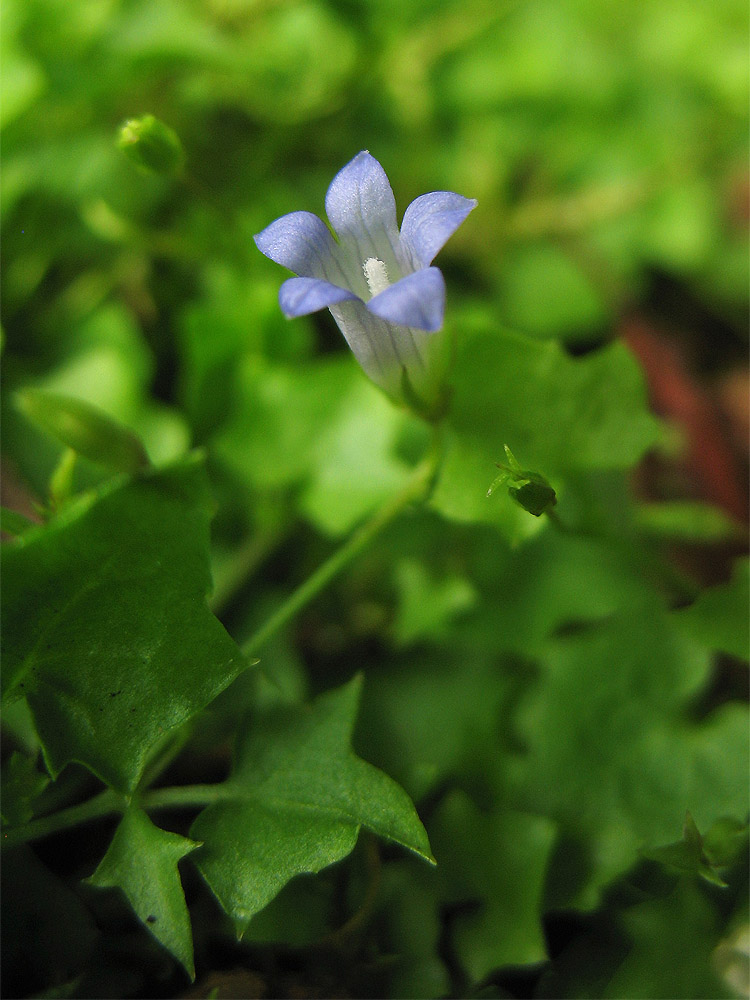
{"x":376,"y":274}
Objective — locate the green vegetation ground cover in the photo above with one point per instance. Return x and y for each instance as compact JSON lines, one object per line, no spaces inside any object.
{"x":487,"y":751}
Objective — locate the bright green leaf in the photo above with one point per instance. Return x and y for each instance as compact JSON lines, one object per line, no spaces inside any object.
{"x":561,"y":414}
{"x":686,"y":521}
{"x":461,"y":490}
{"x":356,"y":467}
{"x":105,"y":622}
{"x":426,"y":606}
{"x":720,"y":617}
{"x":545,"y":292}
{"x":295,"y":803}
{"x":556,"y":411}
{"x":142,"y":861}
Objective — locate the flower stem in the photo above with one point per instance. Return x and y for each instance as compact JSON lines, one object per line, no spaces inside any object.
{"x":415,"y":489}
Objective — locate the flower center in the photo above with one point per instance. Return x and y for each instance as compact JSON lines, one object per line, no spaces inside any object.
{"x":376,"y":274}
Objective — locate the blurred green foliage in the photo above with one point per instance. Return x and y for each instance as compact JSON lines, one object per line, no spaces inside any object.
{"x":531,"y":685}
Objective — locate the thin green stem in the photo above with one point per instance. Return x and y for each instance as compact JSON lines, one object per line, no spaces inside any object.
{"x":103,"y":804}
{"x":415,"y":489}
{"x":109,"y":802}
{"x":185,"y":796}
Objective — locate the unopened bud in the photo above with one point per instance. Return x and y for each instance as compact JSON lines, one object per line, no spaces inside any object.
{"x":152,"y":145}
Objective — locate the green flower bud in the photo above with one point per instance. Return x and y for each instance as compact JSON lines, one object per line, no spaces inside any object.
{"x":530,"y":489}
{"x":152,"y":145}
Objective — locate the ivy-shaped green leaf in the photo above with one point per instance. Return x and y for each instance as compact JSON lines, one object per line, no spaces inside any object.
{"x":494,"y":864}
{"x":106,"y":629}
{"x":142,"y":861}
{"x":560,"y":413}
{"x":295,"y":802}
{"x":611,"y":751}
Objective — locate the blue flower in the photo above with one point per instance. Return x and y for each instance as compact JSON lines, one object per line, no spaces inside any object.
{"x":378,"y":283}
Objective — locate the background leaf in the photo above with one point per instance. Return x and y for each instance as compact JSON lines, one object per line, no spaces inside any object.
{"x":557,"y":414}
{"x":609,"y":751}
{"x":494,"y":864}
{"x":718,"y":618}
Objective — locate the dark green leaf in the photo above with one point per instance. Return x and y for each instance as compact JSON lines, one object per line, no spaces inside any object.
{"x":687,"y":855}
{"x":671,"y":946}
{"x":105,"y":622}
{"x":142,"y":861}
{"x":22,"y":782}
{"x":657,"y":949}
{"x":611,"y":752}
{"x":295,"y":803}
{"x":48,"y":933}
{"x":427,"y":605}
{"x":495,"y":865}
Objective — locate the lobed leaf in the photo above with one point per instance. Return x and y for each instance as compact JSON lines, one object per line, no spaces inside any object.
{"x":611,"y":752}
{"x":295,"y":803}
{"x":557,"y":413}
{"x":106,"y":629}
{"x":142,"y":861}
{"x":496,"y":861}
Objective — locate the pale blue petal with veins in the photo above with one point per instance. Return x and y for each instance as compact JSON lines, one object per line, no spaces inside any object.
{"x":378,"y":283}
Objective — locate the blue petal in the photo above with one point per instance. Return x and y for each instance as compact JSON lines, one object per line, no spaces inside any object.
{"x":301,"y":296}
{"x":417,"y":300}
{"x":300,"y":241}
{"x":361,"y":206}
{"x":431,"y":220}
